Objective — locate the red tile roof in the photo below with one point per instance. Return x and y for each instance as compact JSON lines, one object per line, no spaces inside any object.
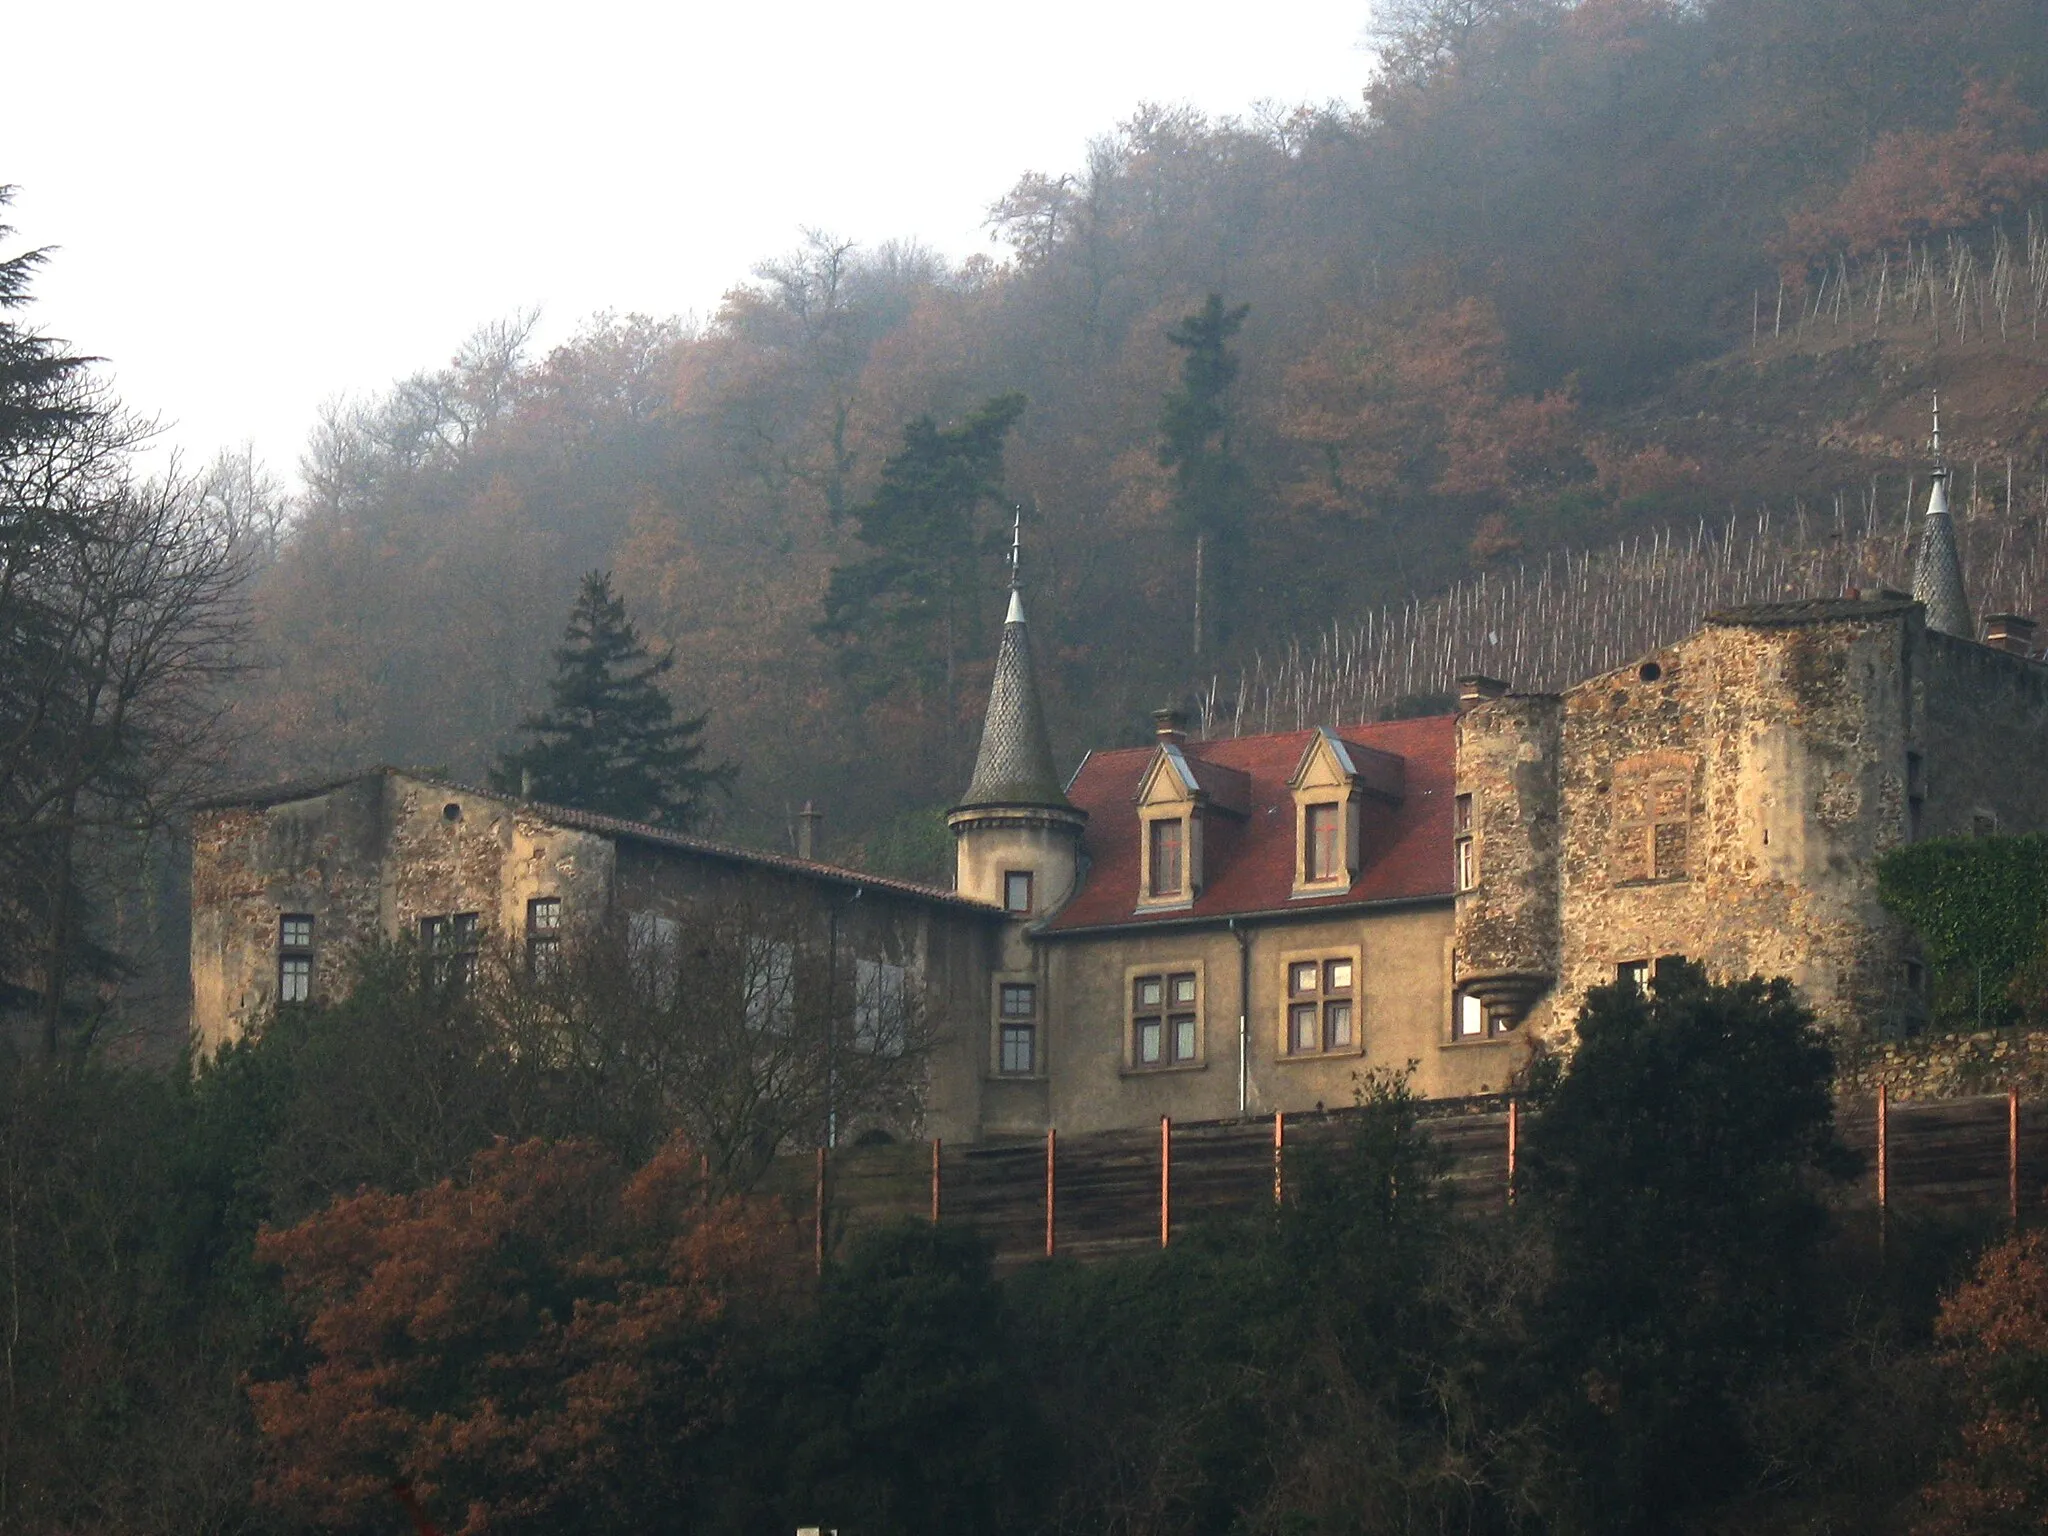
{"x":1405,"y":851}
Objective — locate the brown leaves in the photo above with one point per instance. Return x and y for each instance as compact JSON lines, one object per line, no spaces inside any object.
{"x":501,"y":1343}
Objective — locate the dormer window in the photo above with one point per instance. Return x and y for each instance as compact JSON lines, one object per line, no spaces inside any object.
{"x":1166,"y":859}
{"x":1322,"y":838}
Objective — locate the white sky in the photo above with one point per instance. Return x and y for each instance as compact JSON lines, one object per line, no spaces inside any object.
{"x":262,"y":206}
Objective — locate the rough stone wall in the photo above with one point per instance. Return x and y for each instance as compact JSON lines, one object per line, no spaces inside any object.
{"x":1727,"y":798}
{"x":1948,"y":1066}
{"x":1508,"y":764}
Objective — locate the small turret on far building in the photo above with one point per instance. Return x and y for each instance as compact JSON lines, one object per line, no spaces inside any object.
{"x":1938,"y":572}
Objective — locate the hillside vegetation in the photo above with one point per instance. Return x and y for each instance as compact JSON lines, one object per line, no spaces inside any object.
{"x":1564,"y":274}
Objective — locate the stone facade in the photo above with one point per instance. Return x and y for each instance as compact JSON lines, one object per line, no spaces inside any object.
{"x":369,"y":857}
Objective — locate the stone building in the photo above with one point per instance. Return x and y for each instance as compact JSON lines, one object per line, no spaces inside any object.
{"x":1206,"y":929}
{"x":287,"y":882}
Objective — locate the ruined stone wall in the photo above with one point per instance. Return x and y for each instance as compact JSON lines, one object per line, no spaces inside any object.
{"x":1726,"y":799}
{"x":1947,"y":1066}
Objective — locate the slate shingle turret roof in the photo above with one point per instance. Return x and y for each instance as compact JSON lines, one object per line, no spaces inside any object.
{"x":1014,"y":766}
{"x":1938,"y":572}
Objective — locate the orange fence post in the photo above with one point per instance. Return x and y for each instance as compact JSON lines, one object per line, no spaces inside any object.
{"x":936,"y":1144}
{"x":1051,"y":1158}
{"x":1165,"y":1178}
{"x":1279,"y":1154}
{"x":818,"y":1217}
{"x":2012,"y":1155}
{"x":1514,"y":1143}
{"x":1884,"y":1160}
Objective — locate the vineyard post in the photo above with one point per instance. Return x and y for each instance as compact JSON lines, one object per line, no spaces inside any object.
{"x":937,"y":1144}
{"x":1514,"y":1143}
{"x":1884,"y":1163}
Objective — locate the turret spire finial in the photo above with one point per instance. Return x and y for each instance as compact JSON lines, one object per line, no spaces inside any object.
{"x":1940,"y":468}
{"x":1017,"y":548}
{"x":1938,"y":570}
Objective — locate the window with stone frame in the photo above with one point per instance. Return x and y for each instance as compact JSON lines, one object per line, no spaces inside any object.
{"x":543,"y":936}
{"x":1017,"y":891}
{"x":1322,"y":836}
{"x":295,"y":957}
{"x":1653,"y":819}
{"x":1466,"y":865}
{"x":1165,"y":1028}
{"x":1166,"y":857}
{"x":452,"y":941}
{"x":1322,"y":1005}
{"x":1017,"y":1028}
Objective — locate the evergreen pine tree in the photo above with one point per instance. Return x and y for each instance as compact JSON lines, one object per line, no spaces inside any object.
{"x":1210,"y":486}
{"x":609,"y":740}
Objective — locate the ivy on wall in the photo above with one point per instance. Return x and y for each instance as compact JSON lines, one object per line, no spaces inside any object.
{"x":1980,"y":905}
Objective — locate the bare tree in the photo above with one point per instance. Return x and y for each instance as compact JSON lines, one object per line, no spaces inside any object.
{"x":754,"y":1029}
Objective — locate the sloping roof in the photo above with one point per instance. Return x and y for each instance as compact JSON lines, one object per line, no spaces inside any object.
{"x":1405,"y":856}
{"x":604,"y":826}
{"x":1014,"y":765}
{"x":1812,"y":610}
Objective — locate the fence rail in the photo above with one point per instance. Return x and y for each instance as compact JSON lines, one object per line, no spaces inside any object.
{"x":1111,"y":1192}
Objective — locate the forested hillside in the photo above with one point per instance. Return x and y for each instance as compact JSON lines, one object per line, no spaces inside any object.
{"x":1563,"y":273}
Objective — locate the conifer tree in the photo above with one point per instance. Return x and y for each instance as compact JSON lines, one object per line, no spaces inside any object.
{"x":609,"y":740}
{"x":1209,"y":480}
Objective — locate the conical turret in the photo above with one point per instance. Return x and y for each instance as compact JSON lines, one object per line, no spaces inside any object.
{"x":1017,"y":836}
{"x":1938,"y":572}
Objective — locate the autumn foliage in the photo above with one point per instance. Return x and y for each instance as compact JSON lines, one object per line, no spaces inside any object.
{"x":531,"y":1347}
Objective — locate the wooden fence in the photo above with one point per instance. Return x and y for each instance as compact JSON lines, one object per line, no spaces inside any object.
{"x":1125,"y":1191}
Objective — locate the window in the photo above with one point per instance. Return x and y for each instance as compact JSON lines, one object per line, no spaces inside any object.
{"x":1653,"y":818}
{"x":1017,"y":1007}
{"x":881,"y":1008}
{"x":1322,"y":1005}
{"x":544,"y":936}
{"x":1166,"y":860}
{"x":1461,"y":833}
{"x":769,"y":985}
{"x":1983,"y":824}
{"x":451,"y":943}
{"x":1322,"y":827}
{"x":1471,"y":1023}
{"x":1634,"y":974}
{"x":295,"y":958}
{"x":1017,"y":890}
{"x":1916,"y":794}
{"x":1164,"y":1009}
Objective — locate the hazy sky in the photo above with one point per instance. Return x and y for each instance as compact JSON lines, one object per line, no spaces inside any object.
{"x":262,"y":206}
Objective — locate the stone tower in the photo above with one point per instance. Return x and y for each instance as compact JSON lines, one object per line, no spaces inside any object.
{"x":1938,"y":572}
{"x":1015,"y":819}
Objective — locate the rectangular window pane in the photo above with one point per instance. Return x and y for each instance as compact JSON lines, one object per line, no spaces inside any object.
{"x":1301,"y":1030}
{"x":1184,"y":1037}
{"x":1461,"y":820}
{"x":295,"y":931}
{"x":1020,"y":1000}
{"x":1166,"y":859}
{"x":1017,"y":890}
{"x":544,"y":956}
{"x":1149,"y":1041}
{"x":1019,"y":1054}
{"x":544,"y":914}
{"x":1471,"y":1016}
{"x":1337,"y":976}
{"x":1337,"y":1025}
{"x":1320,"y":827}
{"x":295,"y":979}
{"x":465,"y":926}
{"x":1150,"y":992}
{"x":1183,"y":989}
{"x":1301,"y":977}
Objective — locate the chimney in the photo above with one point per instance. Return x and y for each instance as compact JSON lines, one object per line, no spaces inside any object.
{"x":1475,"y":689}
{"x":2010,"y":632}
{"x":1170,"y":725}
{"x":807,"y":821}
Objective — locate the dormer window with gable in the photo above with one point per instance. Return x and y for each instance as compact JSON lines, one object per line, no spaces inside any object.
{"x":1178,"y":798}
{"x":1330,"y":786}
{"x":1166,"y":862}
